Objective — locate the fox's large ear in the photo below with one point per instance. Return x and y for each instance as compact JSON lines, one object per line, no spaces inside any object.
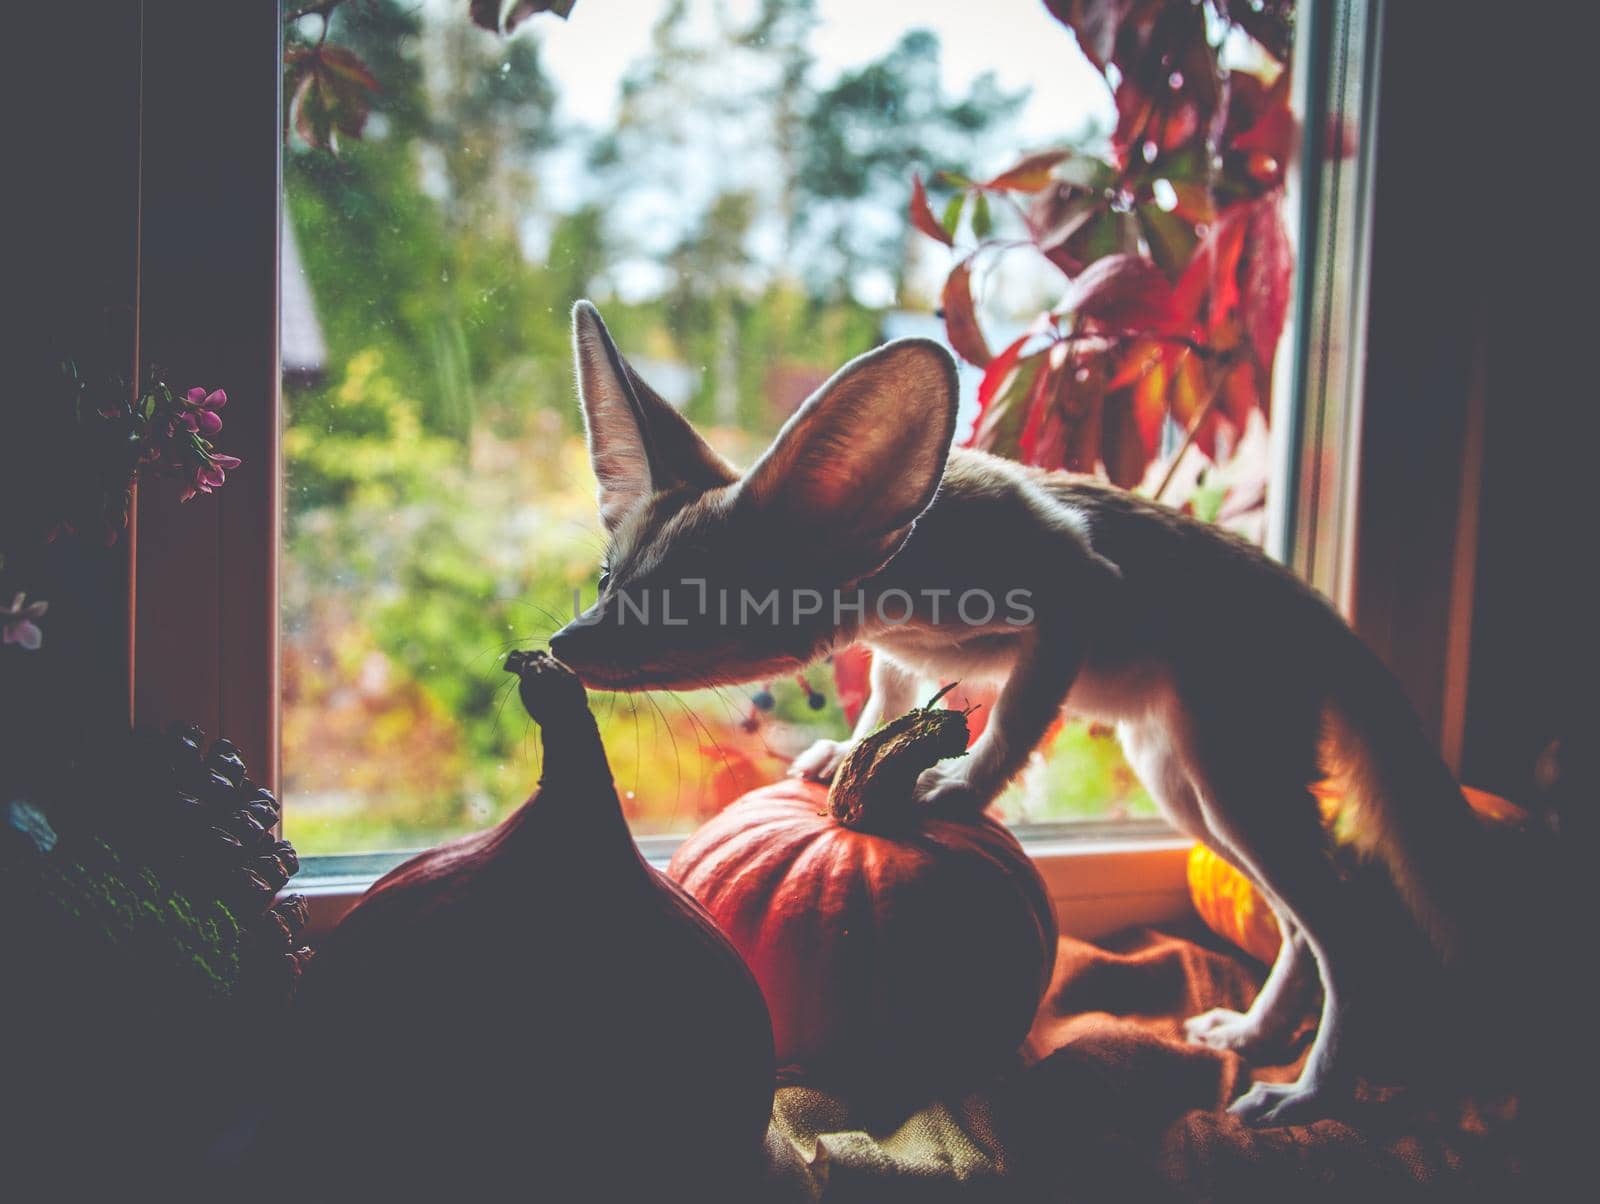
{"x":638,"y":444}
{"x":865,"y":453}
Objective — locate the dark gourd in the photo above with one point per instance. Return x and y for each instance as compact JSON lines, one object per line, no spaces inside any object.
{"x":900,"y":952}
{"x":533,"y":1012}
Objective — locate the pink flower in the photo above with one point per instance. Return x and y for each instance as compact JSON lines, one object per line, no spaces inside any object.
{"x":18,"y":624}
{"x":201,"y":422}
{"x":210,"y":476}
{"x":199,"y":399}
{"x":199,"y":411}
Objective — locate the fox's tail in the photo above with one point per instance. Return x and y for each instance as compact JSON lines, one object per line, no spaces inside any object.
{"x":1396,"y":802}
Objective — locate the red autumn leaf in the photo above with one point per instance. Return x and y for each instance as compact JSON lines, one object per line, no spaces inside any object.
{"x":1169,"y":84}
{"x":1074,"y":442}
{"x":486,"y":14}
{"x":1095,"y":25}
{"x":1037,"y":407}
{"x":1188,"y":390}
{"x":1138,"y":357}
{"x":523,"y":9}
{"x":1261,"y":116}
{"x":1160,"y":120}
{"x":1261,"y":125}
{"x":1121,"y":446}
{"x":922,"y":215}
{"x":1195,"y":201}
{"x":850,"y":671}
{"x":343,"y":63}
{"x":1001,"y":418}
{"x":1267,"y":270}
{"x":1057,"y":217}
{"x":960,"y":319}
{"x":1239,"y":397}
{"x":994,"y":375}
{"x":1123,"y":293}
{"x":1031,"y":174}
{"x":1150,"y":407}
{"x":330,"y":91}
{"x":1207,"y":293}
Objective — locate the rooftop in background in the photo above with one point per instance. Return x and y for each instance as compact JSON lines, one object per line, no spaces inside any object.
{"x":303,"y":351}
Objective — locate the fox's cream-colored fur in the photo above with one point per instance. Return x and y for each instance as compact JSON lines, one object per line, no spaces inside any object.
{"x":1233,"y":687}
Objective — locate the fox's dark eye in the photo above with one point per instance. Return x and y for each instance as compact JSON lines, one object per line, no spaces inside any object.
{"x":605,"y":579}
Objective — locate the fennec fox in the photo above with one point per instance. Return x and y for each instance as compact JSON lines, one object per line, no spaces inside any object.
{"x":1232,"y":686}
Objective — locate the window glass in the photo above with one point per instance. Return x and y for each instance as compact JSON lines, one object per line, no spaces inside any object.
{"x":733,"y":184}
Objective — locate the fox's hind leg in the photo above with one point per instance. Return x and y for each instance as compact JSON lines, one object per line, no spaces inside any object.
{"x":1250,"y":754}
{"x":1151,"y":749}
{"x":1270,"y":824}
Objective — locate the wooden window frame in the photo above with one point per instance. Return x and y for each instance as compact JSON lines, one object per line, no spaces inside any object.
{"x":206,"y":574}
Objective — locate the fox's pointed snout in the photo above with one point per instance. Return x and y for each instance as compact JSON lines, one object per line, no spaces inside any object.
{"x":561,"y":642}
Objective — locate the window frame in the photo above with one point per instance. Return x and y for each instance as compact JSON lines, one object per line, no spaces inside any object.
{"x":210,"y":209}
{"x":210,"y":181}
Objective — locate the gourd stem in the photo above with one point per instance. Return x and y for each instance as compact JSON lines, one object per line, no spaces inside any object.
{"x":577,"y":796}
{"x":874,"y":789}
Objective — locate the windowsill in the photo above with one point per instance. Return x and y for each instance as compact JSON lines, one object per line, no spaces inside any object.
{"x":1101,"y":876}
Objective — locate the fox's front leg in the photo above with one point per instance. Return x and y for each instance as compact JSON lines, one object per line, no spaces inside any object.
{"x":891,"y":693}
{"x":1047,"y":662}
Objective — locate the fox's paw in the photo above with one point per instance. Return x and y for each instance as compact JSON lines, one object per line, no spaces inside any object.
{"x":1268,"y":1104}
{"x":821,"y":761}
{"x":1224,"y":1028}
{"x":948,"y":791}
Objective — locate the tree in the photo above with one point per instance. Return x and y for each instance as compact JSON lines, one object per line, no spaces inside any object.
{"x":413,"y":234}
{"x":862,"y":139}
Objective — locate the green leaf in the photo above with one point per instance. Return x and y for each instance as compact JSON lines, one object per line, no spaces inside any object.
{"x":1172,"y":240}
{"x":951,"y":220}
{"x":1101,"y":237}
{"x":982,"y":219}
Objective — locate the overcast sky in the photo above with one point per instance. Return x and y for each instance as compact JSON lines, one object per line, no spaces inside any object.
{"x":1017,"y":39}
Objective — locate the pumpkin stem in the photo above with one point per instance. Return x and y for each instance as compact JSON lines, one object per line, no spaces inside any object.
{"x":576,"y":792}
{"x":551,"y":693}
{"x":874,"y":789}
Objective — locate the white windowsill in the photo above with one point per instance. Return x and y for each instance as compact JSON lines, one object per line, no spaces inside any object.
{"x":1102,"y":878}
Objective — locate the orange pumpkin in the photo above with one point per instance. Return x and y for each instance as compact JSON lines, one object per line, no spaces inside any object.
{"x":897,"y":949}
{"x":1231,"y":906}
{"x":919,"y":954}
